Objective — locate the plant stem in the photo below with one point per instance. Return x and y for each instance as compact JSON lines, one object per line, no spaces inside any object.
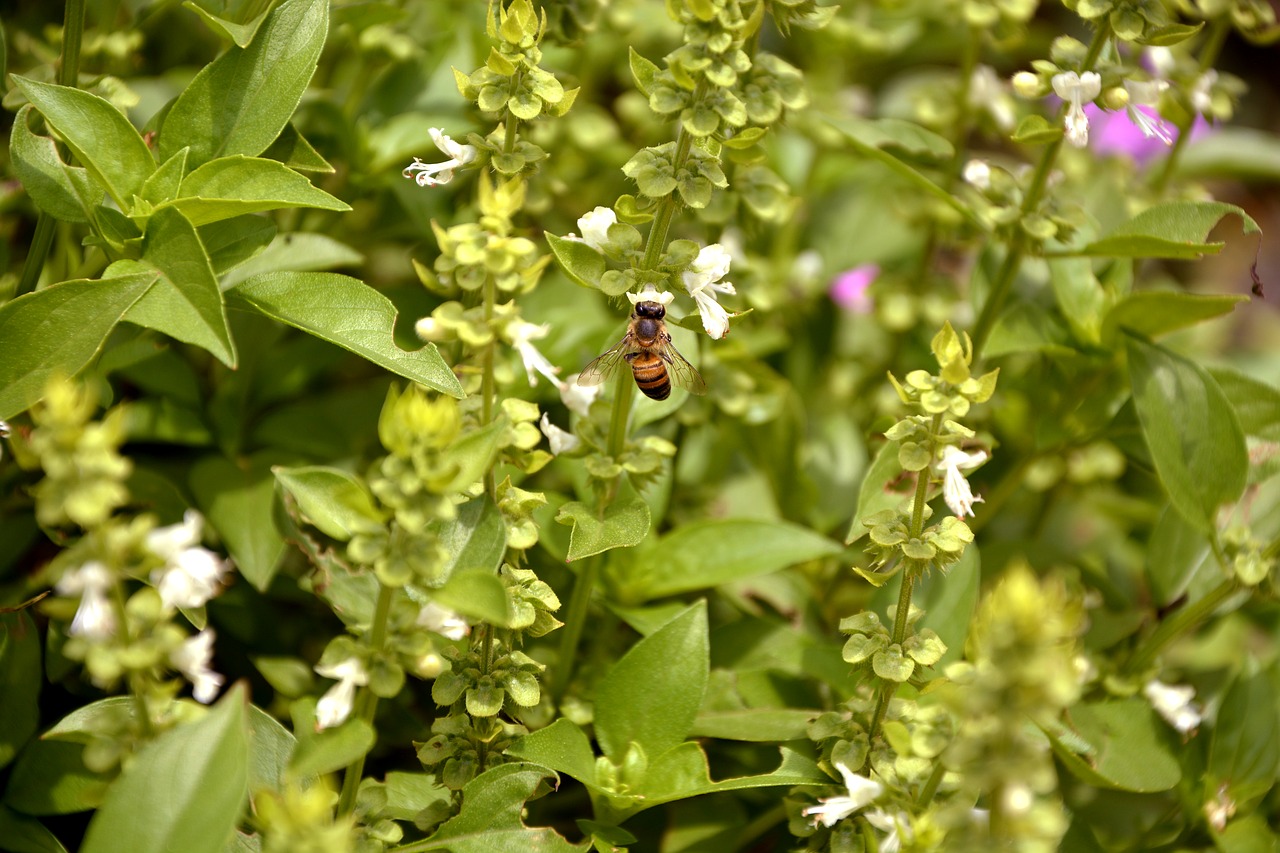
{"x":575,"y":621}
{"x":488,"y":389}
{"x":931,"y":786}
{"x":1035,"y":191}
{"x":1218,"y":32}
{"x":1178,"y":624}
{"x":367,"y":701}
{"x":68,"y":75}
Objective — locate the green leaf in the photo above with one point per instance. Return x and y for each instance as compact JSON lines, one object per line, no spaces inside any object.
{"x":240,"y":102}
{"x":1175,"y":229}
{"x":949,"y":600}
{"x":581,"y":263}
{"x":410,"y":793}
{"x":49,"y":777}
{"x":164,"y":183}
{"x":880,"y":490}
{"x":1080,"y":297}
{"x":59,"y":330}
{"x":270,"y":747}
{"x":710,"y":553}
{"x":1257,"y":404}
{"x":1127,"y":747}
{"x":292,"y":149}
{"x":327,"y":751}
{"x":475,"y":538}
{"x":652,"y":695}
{"x":241,"y":33}
{"x":103,"y":140}
{"x":873,"y":138}
{"x":1232,"y":152}
{"x":759,"y":725}
{"x":478,"y":594}
{"x":20,"y":679}
{"x":562,"y":746}
{"x":491,"y":817}
{"x":1247,"y":834}
{"x":335,"y":502}
{"x":1155,"y":313}
{"x":23,"y":834}
{"x":185,"y":302}
{"x":1177,"y":550}
{"x":231,"y":242}
{"x":1036,"y":130}
{"x":1195,"y":439}
{"x":64,"y":192}
{"x":294,"y":252}
{"x":232,"y":186}
{"x":644,"y":72}
{"x":1245,"y":751}
{"x":1170,"y":34}
{"x":682,"y":772}
{"x":183,"y":791}
{"x":239,"y":501}
{"x":349,"y":313}
{"x":623,"y":526}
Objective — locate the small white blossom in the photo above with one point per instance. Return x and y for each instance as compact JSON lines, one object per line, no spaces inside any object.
{"x":955,"y":488}
{"x":429,"y":665}
{"x":1076,"y":90}
{"x":578,"y":398}
{"x":443,"y":621}
{"x":977,"y":173}
{"x":595,"y":228}
{"x":1160,"y":60}
{"x":335,"y":705}
{"x":1147,"y":94}
{"x":1221,"y":808}
{"x":193,"y":659}
{"x":192,"y":575}
{"x":1173,"y":702}
{"x":434,"y":174}
{"x":94,"y":619}
{"x":897,"y":825}
{"x":987,"y":92}
{"x":522,"y":334}
{"x":560,"y":441}
{"x":429,"y":329}
{"x":703,"y":281}
{"x":1201,"y":94}
{"x":651,"y":294}
{"x":831,"y":810}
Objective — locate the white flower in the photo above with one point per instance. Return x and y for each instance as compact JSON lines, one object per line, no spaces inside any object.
{"x":1201,"y":93}
{"x":579,"y":397}
{"x":192,"y":575}
{"x":192,"y":659}
{"x":429,"y":665}
{"x":703,"y":281}
{"x":443,"y":621}
{"x":986,"y":92}
{"x":832,"y":810}
{"x":335,"y":705}
{"x":651,"y":294}
{"x":560,"y":441}
{"x":1147,"y":94}
{"x":434,"y":174}
{"x":94,"y":617}
{"x":1076,"y":89}
{"x":595,"y":228}
{"x":977,"y":173}
{"x":429,"y":329}
{"x":522,"y":334}
{"x":1160,"y":60}
{"x":955,"y":488}
{"x":896,"y":824}
{"x":1026,"y":84}
{"x":1173,"y":702}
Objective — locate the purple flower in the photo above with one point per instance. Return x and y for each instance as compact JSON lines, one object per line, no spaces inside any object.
{"x":849,"y":289}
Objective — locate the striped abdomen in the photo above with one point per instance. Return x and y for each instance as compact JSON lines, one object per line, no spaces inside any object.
{"x":651,"y":374}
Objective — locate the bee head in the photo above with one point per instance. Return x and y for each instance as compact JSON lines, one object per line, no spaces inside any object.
{"x":650,"y":310}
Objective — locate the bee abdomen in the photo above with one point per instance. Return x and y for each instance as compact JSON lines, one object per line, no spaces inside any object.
{"x":651,"y":378}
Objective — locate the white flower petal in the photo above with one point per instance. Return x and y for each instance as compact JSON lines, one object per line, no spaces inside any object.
{"x":193,"y":659}
{"x":955,"y":488}
{"x":1173,"y":702}
{"x":560,"y":440}
{"x":595,"y":227}
{"x":95,"y":618}
{"x":579,"y":397}
{"x":434,"y":174}
{"x":443,"y":621}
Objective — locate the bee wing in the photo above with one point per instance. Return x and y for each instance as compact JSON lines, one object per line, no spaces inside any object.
{"x":606,"y":365}
{"x":682,"y":373}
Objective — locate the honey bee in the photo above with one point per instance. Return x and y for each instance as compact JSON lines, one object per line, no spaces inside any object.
{"x":647,"y":350}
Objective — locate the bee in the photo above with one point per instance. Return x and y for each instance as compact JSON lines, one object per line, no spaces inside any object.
{"x":647,"y":350}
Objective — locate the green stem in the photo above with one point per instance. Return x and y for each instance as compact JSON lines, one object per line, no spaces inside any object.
{"x":136,"y":683}
{"x":68,"y":75}
{"x":1178,"y":624}
{"x":931,"y":786}
{"x":575,"y":621}
{"x":366,"y":701}
{"x":623,"y":391}
{"x":1218,"y":32}
{"x":488,"y":388}
{"x":1031,"y":199}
